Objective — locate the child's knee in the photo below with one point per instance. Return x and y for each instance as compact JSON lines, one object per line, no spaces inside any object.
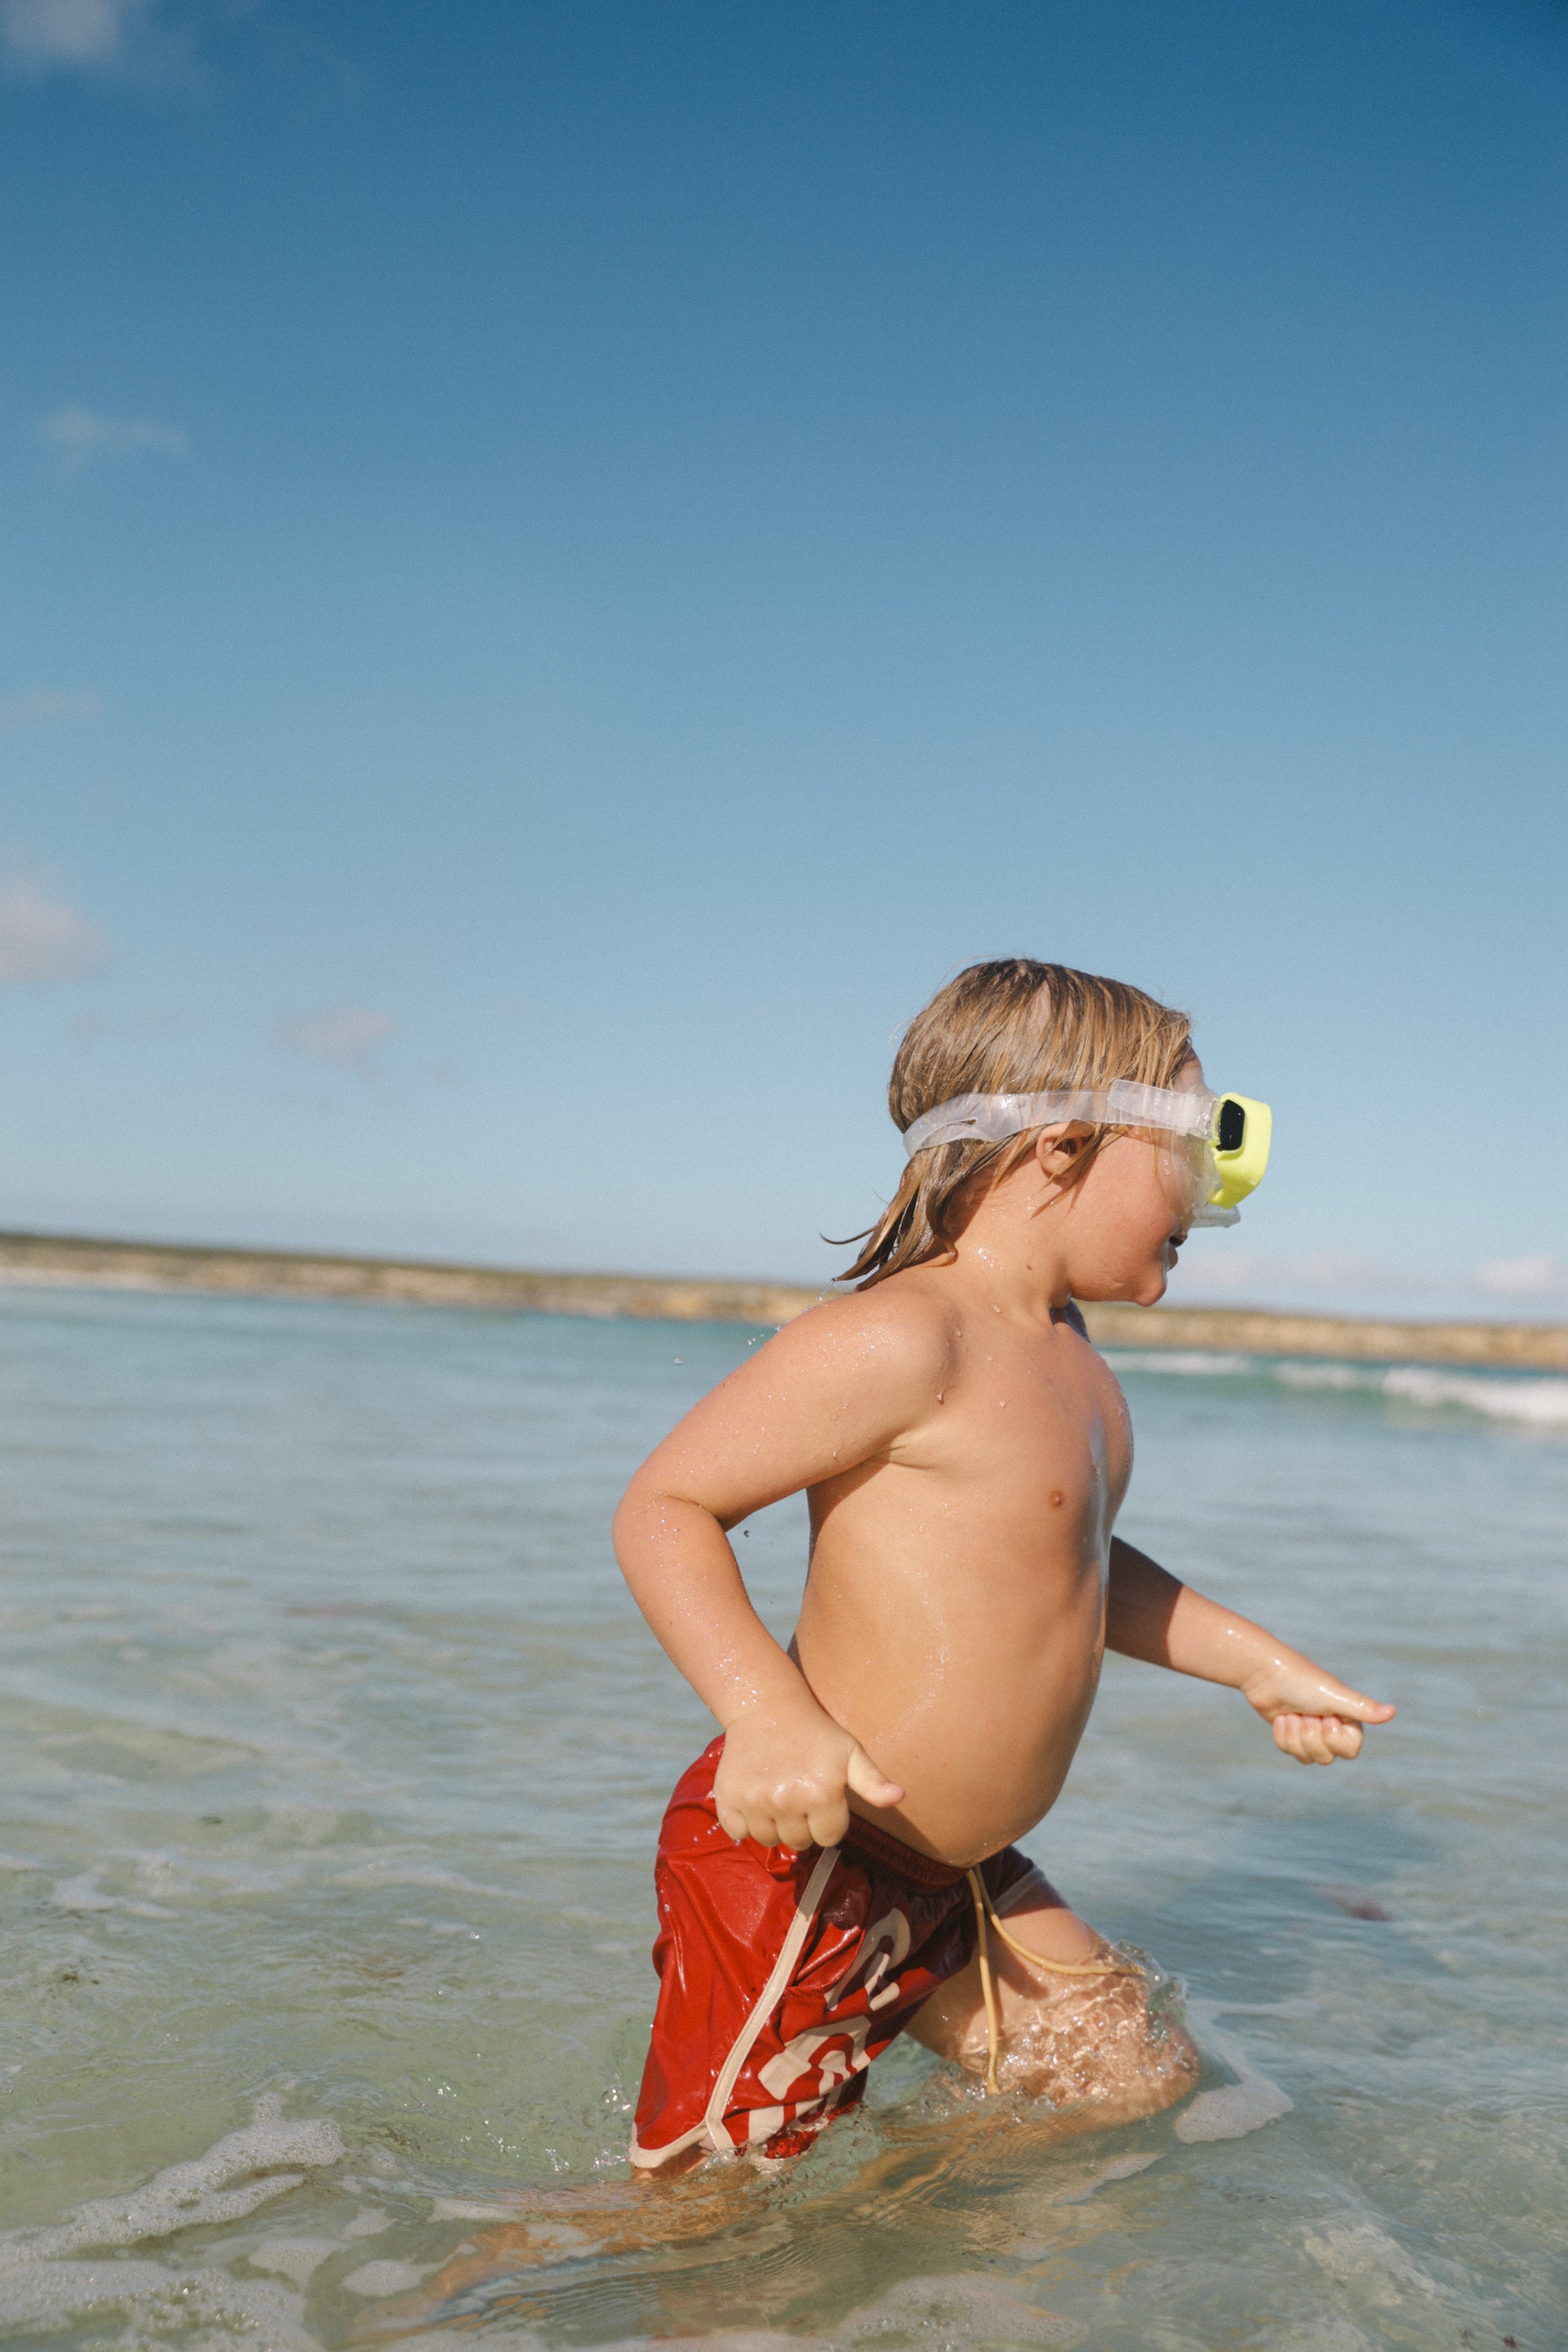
{"x":1105,"y":2049}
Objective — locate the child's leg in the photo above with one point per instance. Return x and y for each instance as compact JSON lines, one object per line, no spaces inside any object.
{"x":1087,"y":2043}
{"x":563,"y":2225}
{"x":1084,"y":2042}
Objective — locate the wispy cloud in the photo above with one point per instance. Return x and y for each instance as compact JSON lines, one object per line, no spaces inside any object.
{"x":78,"y":436}
{"x":351,"y":1036}
{"x":43,"y":937}
{"x":1525,"y":1277}
{"x":46,"y":706}
{"x":103,"y":36}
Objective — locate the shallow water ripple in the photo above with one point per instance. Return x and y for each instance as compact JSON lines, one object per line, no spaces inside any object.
{"x":333,"y":1756}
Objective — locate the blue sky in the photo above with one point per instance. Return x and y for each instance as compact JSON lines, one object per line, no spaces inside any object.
{"x":566,"y":565}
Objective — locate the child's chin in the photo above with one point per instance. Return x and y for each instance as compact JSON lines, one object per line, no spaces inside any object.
{"x":1145,"y":1288}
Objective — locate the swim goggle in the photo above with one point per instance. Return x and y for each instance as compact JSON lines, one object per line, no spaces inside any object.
{"x":1214,"y":1148}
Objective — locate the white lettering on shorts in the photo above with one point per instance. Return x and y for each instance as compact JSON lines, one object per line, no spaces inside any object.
{"x":885,"y":1945}
{"x":798,"y":2058}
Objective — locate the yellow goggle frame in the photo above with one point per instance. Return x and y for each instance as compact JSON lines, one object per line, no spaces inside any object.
{"x":1239,"y":1140}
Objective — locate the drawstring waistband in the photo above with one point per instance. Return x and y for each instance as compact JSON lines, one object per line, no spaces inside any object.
{"x":986,"y":1911}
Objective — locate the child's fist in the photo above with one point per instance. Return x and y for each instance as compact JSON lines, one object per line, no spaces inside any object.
{"x":1316,"y":1739}
{"x":785,"y":1778}
{"x":1315,"y":1717}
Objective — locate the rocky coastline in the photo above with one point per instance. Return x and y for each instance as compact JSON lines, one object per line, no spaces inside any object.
{"x":84,"y":1261}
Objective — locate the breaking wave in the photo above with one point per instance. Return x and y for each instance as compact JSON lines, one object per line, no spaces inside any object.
{"x":1533,"y":1400}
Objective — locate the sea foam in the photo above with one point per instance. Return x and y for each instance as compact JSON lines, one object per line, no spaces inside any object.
{"x":1242,"y":2107}
{"x":157,"y":2301}
{"x":185,"y":2195}
{"x":42,"y":2286}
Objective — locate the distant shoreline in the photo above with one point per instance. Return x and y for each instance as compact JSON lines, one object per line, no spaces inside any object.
{"x":80,"y":1261}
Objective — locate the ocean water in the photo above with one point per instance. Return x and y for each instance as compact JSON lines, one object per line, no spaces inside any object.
{"x":331,"y":1753}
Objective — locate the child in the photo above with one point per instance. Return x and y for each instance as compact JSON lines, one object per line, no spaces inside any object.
{"x":837,"y":1867}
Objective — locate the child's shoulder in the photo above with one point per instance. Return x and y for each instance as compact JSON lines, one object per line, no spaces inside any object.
{"x":899,"y":1324}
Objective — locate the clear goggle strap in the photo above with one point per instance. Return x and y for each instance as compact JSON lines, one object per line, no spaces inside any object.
{"x":990,"y":1118}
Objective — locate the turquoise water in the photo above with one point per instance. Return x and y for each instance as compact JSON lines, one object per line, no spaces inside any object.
{"x":332,"y":1755}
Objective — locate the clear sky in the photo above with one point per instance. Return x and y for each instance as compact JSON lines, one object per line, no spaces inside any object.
{"x":566,"y":564}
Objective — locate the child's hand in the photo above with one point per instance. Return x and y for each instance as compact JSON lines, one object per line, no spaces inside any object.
{"x":783,"y":1777}
{"x":1315,"y":1716}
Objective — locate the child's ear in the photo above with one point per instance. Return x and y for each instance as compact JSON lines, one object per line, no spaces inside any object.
{"x":1058,"y":1150}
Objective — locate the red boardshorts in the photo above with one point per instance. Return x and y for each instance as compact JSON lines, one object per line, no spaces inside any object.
{"x":781,"y":1975}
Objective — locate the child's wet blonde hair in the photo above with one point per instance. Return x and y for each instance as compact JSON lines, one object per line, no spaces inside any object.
{"x":1012,"y":1027}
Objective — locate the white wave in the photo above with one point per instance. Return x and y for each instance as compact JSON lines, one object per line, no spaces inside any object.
{"x":1537,"y":1402}
{"x":1540,"y":1404}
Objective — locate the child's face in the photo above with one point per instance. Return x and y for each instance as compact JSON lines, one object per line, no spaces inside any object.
{"x":1129,"y":1214}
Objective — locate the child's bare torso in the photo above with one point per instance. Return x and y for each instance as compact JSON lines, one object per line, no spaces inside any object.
{"x":953,"y":1619}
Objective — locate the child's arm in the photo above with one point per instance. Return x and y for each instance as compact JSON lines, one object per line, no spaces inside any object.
{"x":1151,"y":1615}
{"x":837,"y":1388}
